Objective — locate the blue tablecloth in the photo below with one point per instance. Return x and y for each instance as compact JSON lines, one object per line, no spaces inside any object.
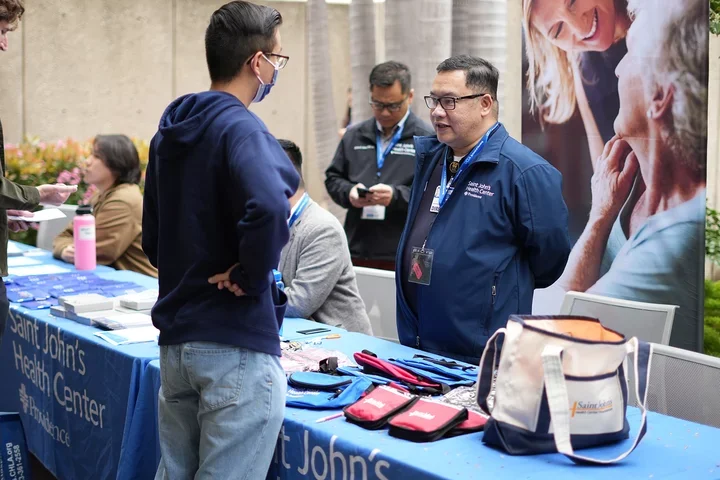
{"x":73,"y":389}
{"x":141,"y":450}
{"x":338,"y":450}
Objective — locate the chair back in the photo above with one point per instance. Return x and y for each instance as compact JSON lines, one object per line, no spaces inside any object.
{"x":650,"y":322}
{"x":377,"y":289}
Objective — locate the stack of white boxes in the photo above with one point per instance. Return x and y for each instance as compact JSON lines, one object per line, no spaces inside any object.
{"x":132,"y":310}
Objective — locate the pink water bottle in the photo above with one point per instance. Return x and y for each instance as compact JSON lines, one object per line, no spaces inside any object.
{"x":84,"y":238}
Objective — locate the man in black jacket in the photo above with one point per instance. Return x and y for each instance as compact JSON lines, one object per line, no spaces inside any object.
{"x":373,"y":169}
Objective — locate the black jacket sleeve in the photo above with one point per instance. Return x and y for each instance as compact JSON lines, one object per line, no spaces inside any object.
{"x":336,"y":177}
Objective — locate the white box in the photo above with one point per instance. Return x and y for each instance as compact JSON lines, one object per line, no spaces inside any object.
{"x":90,"y":302}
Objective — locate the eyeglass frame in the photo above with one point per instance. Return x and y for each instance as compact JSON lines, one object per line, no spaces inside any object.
{"x":268,"y":54}
{"x":391,"y":107}
{"x":438,"y":100}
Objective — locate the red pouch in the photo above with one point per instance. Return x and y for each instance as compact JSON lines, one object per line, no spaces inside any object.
{"x":474,"y":423}
{"x":427,"y":421}
{"x":377,"y":366}
{"x":377,"y":407}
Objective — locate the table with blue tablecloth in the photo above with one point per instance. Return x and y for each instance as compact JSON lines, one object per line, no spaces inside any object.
{"x":72,"y":389}
{"x":90,"y":411}
{"x":336,"y":449}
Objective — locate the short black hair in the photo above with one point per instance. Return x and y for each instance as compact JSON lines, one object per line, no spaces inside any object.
{"x":386,"y":74}
{"x":236,"y":32}
{"x":480,"y":75}
{"x":293,"y":152}
{"x":119,"y":154}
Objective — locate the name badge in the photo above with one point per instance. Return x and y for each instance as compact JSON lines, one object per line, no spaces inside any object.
{"x":435,"y":207}
{"x":421,"y":263}
{"x":373,"y":212}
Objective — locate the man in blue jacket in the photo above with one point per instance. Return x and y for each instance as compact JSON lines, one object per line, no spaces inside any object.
{"x":486,"y":225}
{"x":216,"y":196}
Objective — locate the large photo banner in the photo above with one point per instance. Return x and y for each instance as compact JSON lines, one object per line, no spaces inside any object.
{"x":615,"y":98}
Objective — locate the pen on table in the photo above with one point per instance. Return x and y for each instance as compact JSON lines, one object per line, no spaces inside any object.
{"x":329,"y":417}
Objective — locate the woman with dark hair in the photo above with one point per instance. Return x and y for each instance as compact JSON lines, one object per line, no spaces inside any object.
{"x":114,"y":169}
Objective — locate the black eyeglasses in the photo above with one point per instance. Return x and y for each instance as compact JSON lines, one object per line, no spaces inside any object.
{"x":448,"y":103}
{"x":392,"y":107}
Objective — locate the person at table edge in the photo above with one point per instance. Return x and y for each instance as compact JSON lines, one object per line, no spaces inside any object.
{"x":16,"y":199}
{"x":315,"y":264}
{"x":487,"y":223}
{"x":114,"y":169}
{"x":377,"y":154}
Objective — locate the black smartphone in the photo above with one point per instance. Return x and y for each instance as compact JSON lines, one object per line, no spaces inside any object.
{"x":313,"y":330}
{"x":362,"y":192}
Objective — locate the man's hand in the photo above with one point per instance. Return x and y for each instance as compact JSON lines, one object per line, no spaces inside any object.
{"x":68,"y":254}
{"x":55,"y":194}
{"x":222,"y":280}
{"x":613,"y":178}
{"x":356,"y":200}
{"x":18,"y":225}
{"x":381,"y":194}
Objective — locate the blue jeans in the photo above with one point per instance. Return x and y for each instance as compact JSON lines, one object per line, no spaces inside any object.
{"x":220,"y":411}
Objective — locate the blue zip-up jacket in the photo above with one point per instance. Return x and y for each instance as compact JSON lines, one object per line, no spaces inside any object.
{"x":501,"y":234}
{"x":216,"y":194}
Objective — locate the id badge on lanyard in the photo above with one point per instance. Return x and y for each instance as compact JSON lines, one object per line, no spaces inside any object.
{"x":421,"y":258}
{"x":377,"y":212}
{"x":446,"y":187}
{"x":381,"y":154}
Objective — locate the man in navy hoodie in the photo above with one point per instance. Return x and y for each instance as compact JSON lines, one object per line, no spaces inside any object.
{"x":216,"y":200}
{"x":486,"y":224}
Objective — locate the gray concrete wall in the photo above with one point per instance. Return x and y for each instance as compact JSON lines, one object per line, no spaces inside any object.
{"x":81,"y":67}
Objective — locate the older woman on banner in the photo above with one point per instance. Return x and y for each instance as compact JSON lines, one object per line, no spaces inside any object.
{"x":653,"y":228}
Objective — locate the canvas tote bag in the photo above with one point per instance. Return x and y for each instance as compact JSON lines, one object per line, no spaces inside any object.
{"x":559,"y":384}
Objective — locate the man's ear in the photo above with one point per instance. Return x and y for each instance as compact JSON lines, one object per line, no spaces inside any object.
{"x":486,"y":105}
{"x":254,"y":63}
{"x":411,"y":95}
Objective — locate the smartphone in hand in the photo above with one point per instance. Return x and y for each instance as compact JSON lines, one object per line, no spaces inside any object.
{"x":362,"y":192}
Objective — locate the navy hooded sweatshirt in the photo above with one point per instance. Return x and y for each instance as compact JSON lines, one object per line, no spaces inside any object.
{"x":216,"y":194}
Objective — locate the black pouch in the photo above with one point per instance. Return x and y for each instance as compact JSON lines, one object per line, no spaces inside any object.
{"x":375,"y":409}
{"x":427,"y":421}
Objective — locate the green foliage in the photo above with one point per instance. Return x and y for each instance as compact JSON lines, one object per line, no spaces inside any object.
{"x":715,"y":17}
{"x":712,"y":234}
{"x":712,"y":318}
{"x":34,"y":162}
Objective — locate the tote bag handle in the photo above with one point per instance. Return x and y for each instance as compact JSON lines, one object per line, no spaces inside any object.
{"x":558,"y":402}
{"x":486,"y":371}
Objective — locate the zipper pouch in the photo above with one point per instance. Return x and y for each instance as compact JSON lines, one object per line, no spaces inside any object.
{"x":474,"y":423}
{"x":427,"y":421}
{"x":317,"y":381}
{"x":375,"y":409}
{"x":417,"y":383}
{"x":320,"y":391}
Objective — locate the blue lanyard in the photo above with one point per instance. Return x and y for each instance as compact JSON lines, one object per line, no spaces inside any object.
{"x":382,"y":155}
{"x":301,"y":206}
{"x":445,"y":189}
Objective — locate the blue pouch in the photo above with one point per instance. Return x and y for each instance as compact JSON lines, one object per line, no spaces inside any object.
{"x":448,"y":372}
{"x":358,"y":372}
{"x":322,"y":391}
{"x":14,"y":457}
